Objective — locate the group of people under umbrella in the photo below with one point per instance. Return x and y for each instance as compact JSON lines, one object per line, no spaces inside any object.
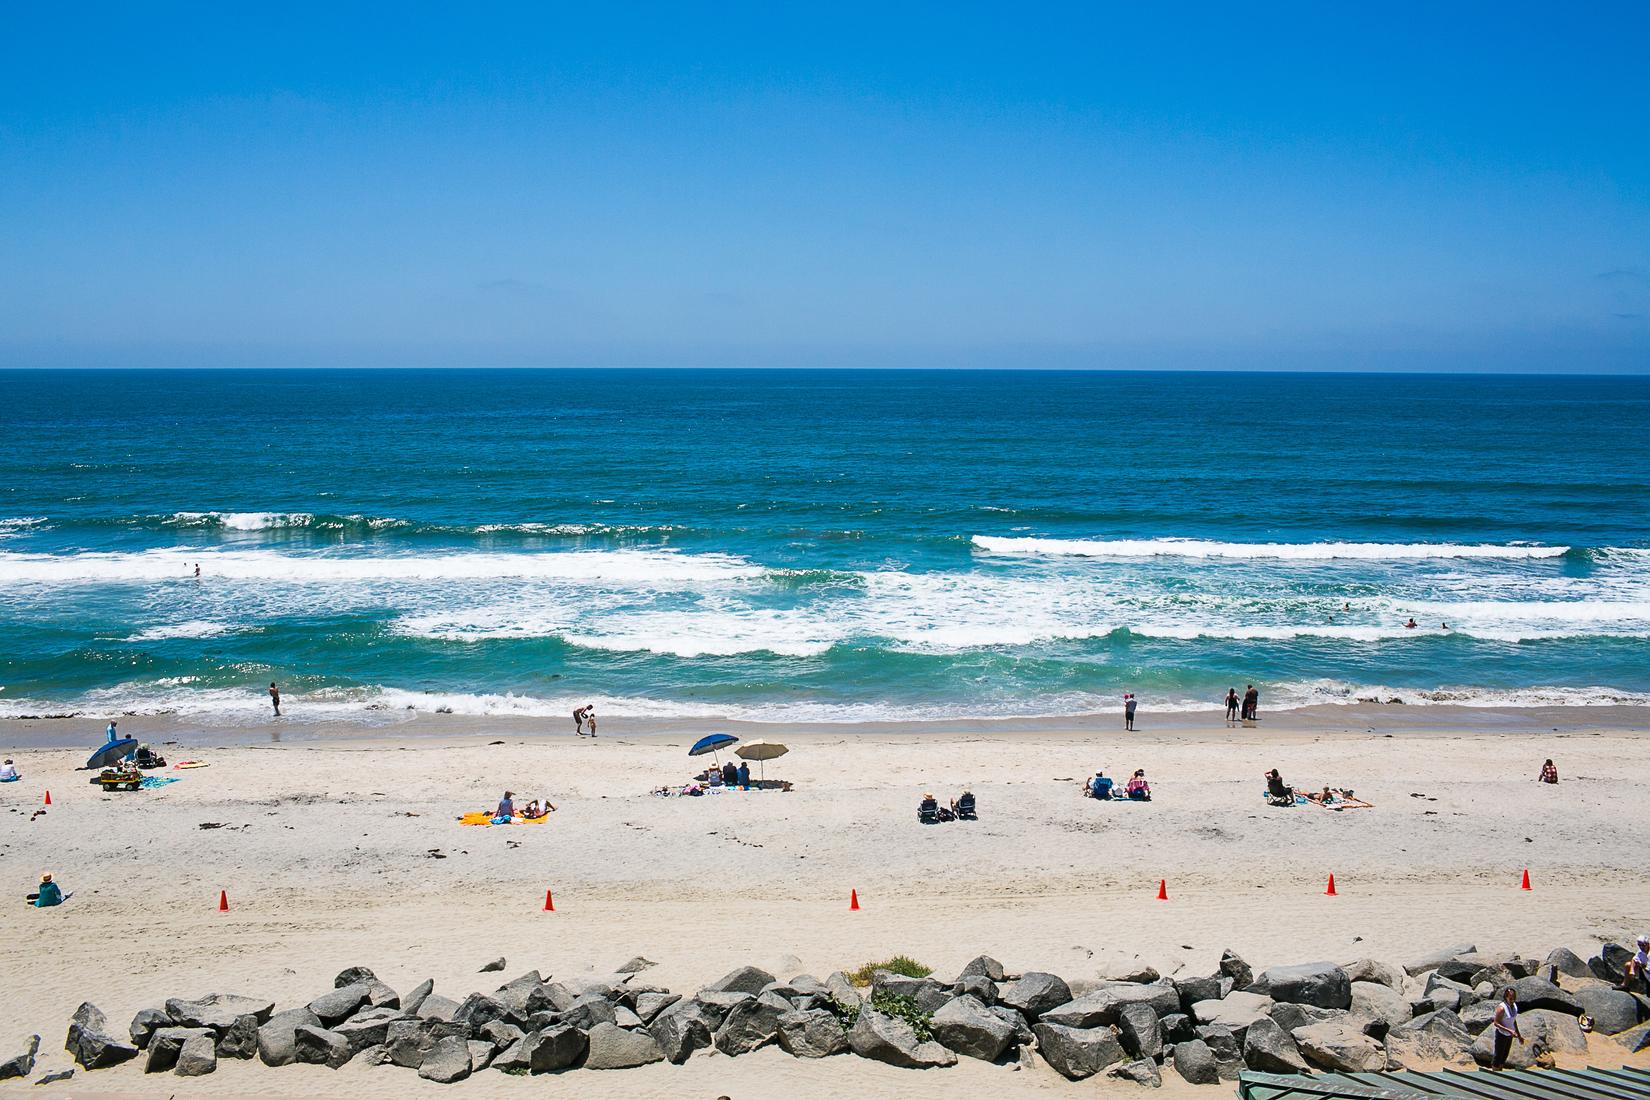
{"x":729,"y":775}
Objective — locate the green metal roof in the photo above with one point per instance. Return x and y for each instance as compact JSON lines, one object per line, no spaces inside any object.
{"x":1541,"y":1084}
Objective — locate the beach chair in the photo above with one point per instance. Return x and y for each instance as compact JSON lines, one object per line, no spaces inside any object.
{"x":928,"y":812}
{"x":965,"y":807}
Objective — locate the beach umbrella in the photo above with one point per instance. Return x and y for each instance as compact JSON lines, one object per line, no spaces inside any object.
{"x":762,"y":751}
{"x":112,"y":751}
{"x":710,"y":743}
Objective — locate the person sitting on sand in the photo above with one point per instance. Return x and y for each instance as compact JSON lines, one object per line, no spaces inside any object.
{"x":730,"y":774}
{"x":1100,"y":787}
{"x":8,"y":772}
{"x":532,"y":811}
{"x":744,"y":776}
{"x":148,"y":758}
{"x":1549,"y":773}
{"x":506,"y":809}
{"x":1138,"y":790}
{"x":50,"y":893}
{"x":1277,"y":790}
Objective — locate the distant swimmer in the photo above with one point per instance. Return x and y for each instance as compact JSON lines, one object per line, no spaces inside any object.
{"x":197,"y":570}
{"x":1346,"y":607}
{"x":1410,"y":625}
{"x":275,"y":697}
{"x":1445,"y":626}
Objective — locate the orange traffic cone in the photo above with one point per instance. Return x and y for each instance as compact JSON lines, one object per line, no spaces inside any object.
{"x":1162,"y":889}
{"x":1331,"y":891}
{"x":48,"y":798}
{"x":223,"y":901}
{"x":1526,"y":884}
{"x":549,"y":903}
{"x":853,"y":901}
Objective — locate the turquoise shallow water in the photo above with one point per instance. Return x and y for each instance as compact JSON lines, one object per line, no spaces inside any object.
{"x":817,"y":544}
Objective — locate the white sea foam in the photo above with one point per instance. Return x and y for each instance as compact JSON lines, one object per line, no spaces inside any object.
{"x":1292,"y":551}
{"x":194,"y":629}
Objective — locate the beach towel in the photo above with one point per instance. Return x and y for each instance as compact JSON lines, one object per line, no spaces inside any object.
{"x":150,"y":782}
{"x":1266,"y":796}
{"x":482,"y":817}
{"x":190,"y":764}
{"x":10,"y":778}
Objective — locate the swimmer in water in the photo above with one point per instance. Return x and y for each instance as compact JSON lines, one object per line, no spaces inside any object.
{"x":1410,"y":625}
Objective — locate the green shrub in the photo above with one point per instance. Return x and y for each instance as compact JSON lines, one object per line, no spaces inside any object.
{"x":905,"y":1008}
{"x":903,"y":965}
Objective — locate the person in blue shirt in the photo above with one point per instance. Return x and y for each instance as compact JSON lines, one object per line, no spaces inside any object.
{"x":745,"y":776}
{"x":111,"y":734}
{"x":1100,"y":787}
{"x":50,"y":893}
{"x":506,"y":809}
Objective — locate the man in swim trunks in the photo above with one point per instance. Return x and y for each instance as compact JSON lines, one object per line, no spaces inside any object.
{"x":275,"y":697}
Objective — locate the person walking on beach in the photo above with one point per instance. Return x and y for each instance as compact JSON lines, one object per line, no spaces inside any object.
{"x":1231,"y":705}
{"x":1128,"y":711}
{"x":1506,"y":1028}
{"x":578,"y":721}
{"x":275,"y":697}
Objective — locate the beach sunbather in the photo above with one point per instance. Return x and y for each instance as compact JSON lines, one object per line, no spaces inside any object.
{"x":730,"y":775}
{"x":1099,"y":787}
{"x":8,"y":772}
{"x":1549,"y":773}
{"x":506,"y":809}
{"x":1138,"y":790}
{"x":928,"y":810}
{"x":964,"y":807}
{"x":49,"y":894}
{"x":1277,"y":791}
{"x":744,"y":776}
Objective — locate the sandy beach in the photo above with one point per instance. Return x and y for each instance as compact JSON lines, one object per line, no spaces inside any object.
{"x":338,"y":845}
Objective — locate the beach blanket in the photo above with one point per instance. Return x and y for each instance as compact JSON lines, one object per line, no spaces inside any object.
{"x":190,"y":764}
{"x":10,"y":778}
{"x":1266,"y":796}
{"x":150,"y":782}
{"x":481,"y":817}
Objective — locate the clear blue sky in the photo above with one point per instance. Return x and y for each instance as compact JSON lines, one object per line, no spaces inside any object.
{"x":1324,"y":185}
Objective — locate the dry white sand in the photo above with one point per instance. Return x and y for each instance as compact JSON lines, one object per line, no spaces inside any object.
{"x":327,"y":852}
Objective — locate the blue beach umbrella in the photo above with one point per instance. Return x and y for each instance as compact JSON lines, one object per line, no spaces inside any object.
{"x":710,"y":743}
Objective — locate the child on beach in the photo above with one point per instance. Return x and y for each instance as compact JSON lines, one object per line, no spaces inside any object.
{"x":275,"y":697}
{"x":1549,"y":773}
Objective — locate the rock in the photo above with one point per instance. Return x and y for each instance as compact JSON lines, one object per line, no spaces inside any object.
{"x":54,"y":1078}
{"x":588,"y":1011}
{"x":1106,"y":1004}
{"x":815,"y":1033}
{"x":636,"y":965}
{"x":21,"y":1065}
{"x":318,"y":1046}
{"x":1381,"y":1003}
{"x":481,"y":1054}
{"x":277,"y":1040}
{"x":91,"y":1044}
{"x":612,"y":1047}
{"x":1270,"y":1049}
{"x":1177,"y":1027}
{"x":1540,"y":993}
{"x":1140,"y":1031}
{"x":198,"y":1057}
{"x":240,"y":1040}
{"x":1012,"y":1017}
{"x":501,"y":1034}
{"x":1077,"y":1053}
{"x":649,"y":1005}
{"x":1195,"y":1062}
{"x":352,"y":975}
{"x":554,"y":1048}
{"x":1476,"y":1017}
{"x":517,"y":996}
{"x":1322,"y":985}
{"x":1561,"y":960}
{"x":885,"y":1039}
{"x":413,"y":1000}
{"x":492,"y":967}
{"x":166,"y":1044}
{"x":1609,"y":965}
{"x":1545,"y":1033}
{"x":1438,"y":1038}
{"x":1612,"y":1011}
{"x":746,"y":979}
{"x":339,"y":1004}
{"x":1237,"y":1010}
{"x":1134,"y":970}
{"x":1034,"y":993}
{"x":217,"y":1011}
{"x":437,"y":1007}
{"x":1370,"y":970}
{"x":886,"y":981}
{"x":1635,"y":1039}
{"x":367,"y":1028}
{"x":751,"y":1024}
{"x":1341,"y":1046}
{"x":1142,"y":1072}
{"x":1435,"y":959}
{"x":984,"y":966}
{"x":479,"y":1009}
{"x":685,"y":1027}
{"x":146,"y":1023}
{"x":965,"y":1025}
{"x":1193,"y":990}
{"x":1236,"y":969}
{"x":981,"y":989}
{"x":842,"y":990}
{"x":1463,"y":967}
{"x":1289,"y":1017}
{"x":447,"y":1061}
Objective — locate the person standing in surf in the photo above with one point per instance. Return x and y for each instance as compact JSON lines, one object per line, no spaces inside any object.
{"x":275,"y":697}
{"x":1128,"y":711}
{"x":1231,"y":705}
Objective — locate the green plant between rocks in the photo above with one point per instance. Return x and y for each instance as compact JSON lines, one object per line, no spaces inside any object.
{"x":903,"y":965}
{"x":905,"y":1008}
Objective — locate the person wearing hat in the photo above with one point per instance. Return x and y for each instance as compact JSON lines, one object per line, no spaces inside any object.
{"x":8,"y":772}
{"x":1636,"y":974}
{"x":1100,"y":787}
{"x":50,"y":893}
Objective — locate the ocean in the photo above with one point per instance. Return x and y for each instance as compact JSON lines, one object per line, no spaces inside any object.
{"x":816,"y":545}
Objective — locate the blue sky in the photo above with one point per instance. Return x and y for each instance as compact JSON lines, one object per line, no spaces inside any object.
{"x":1313,"y":186}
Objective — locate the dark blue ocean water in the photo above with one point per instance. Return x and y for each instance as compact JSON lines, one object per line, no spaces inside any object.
{"x":817,"y":544}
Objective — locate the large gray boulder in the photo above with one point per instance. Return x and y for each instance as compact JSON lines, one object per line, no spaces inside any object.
{"x":554,"y":1048}
{"x":368,"y":1027}
{"x":812,"y":1033}
{"x":165,"y":1045}
{"x":447,"y":1061}
{"x":1341,"y":1046}
{"x":91,"y":1044}
{"x":414,"y":999}
{"x":1233,"y":966}
{"x":1237,"y":1010}
{"x":198,"y":1057}
{"x":886,"y":981}
{"x":437,"y":1007}
{"x":21,"y":1065}
{"x":1104,"y":1005}
{"x":240,"y":1039}
{"x":1142,"y":1072}
{"x":1434,"y":959}
{"x":586,"y":1012}
{"x":1140,"y":1031}
{"x":1478,"y":1016}
{"x":1430,"y":1041}
{"x":1561,"y":960}
{"x":649,"y":1005}
{"x":1540,"y":993}
{"x":1225,"y":1047}
{"x":1195,"y":1062}
{"x":1609,"y":965}
{"x":1381,"y":1003}
{"x":1322,"y":985}
{"x":612,"y":1047}
{"x":886,"y":1039}
{"x":318,"y":1046}
{"x":481,"y":1054}
{"x":217,"y":1011}
{"x":146,"y":1023}
{"x":685,"y":1027}
{"x":841,"y":990}
{"x":1545,"y":1033}
{"x":1611,"y":1010}
{"x":478,"y":1009}
{"x":1193,"y":990}
{"x":1373,"y":970}
{"x":968,"y":1027}
{"x":984,"y":966}
{"x":746,"y":979}
{"x":337,"y":1004}
{"x":1291,"y":1016}
{"x":751,"y":1024}
{"x":1077,"y":1053}
{"x":1270,"y":1049}
{"x":1634,"y":1039}
{"x":1034,"y":993}
{"x":277,"y":1041}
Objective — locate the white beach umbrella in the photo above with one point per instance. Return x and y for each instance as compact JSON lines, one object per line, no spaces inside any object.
{"x":762,"y":752}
